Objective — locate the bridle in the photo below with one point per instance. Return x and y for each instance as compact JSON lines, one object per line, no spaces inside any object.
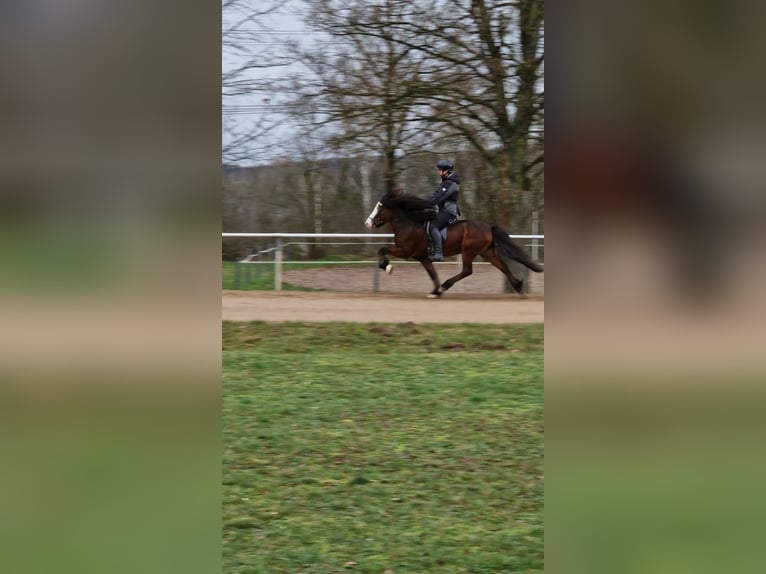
{"x":374,"y":220}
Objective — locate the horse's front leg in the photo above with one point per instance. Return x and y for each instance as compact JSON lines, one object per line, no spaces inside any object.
{"x":383,"y":261}
{"x":431,"y":270}
{"x":384,"y":252}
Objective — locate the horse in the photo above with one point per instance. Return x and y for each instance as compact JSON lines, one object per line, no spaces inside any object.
{"x":407,"y":215}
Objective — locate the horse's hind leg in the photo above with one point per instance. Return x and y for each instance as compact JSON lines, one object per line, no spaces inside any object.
{"x":494,"y":259}
{"x":464,"y":272}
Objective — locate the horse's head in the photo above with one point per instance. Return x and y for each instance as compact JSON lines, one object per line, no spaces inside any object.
{"x":399,"y":204}
{"x":380,"y":215}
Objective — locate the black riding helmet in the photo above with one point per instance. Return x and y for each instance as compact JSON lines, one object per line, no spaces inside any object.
{"x":445,"y":164}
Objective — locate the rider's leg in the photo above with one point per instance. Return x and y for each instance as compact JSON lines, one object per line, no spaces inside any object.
{"x":436,"y":227}
{"x":436,"y":237}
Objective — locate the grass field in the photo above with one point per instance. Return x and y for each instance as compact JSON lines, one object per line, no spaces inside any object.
{"x":382,"y":448}
{"x":253,"y":276}
{"x":260,"y":276}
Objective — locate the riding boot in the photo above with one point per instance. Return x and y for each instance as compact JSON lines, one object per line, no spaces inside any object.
{"x":436,"y":236}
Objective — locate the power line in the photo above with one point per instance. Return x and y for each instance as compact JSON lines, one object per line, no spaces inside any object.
{"x":271,"y":32}
{"x":265,"y":109}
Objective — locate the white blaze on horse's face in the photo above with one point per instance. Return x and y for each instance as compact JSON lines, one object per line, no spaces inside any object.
{"x":369,"y":222}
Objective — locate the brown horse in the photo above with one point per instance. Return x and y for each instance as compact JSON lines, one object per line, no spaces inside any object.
{"x":407,"y":214}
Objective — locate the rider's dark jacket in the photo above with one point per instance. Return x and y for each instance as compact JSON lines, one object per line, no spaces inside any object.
{"x":446,"y":195}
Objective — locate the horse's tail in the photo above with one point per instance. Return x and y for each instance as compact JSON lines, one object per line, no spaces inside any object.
{"x":507,"y":248}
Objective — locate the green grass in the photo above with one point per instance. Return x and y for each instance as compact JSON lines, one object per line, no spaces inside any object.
{"x":260,"y":276}
{"x":60,"y":256}
{"x":254,"y":277}
{"x":366,"y":448}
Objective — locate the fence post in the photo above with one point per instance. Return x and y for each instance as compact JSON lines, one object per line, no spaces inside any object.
{"x":535,"y":226}
{"x":375,"y":278}
{"x":248,"y":275}
{"x":278,"y":266}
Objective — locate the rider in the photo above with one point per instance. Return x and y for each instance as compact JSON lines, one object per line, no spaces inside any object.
{"x":445,"y":197}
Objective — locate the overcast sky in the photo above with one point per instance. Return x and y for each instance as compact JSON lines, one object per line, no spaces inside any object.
{"x":241,"y":112}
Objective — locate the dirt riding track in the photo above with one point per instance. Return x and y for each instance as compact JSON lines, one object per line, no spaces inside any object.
{"x":401,"y":298}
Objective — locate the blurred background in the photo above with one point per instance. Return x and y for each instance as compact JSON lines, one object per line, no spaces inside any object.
{"x":654,"y":362}
{"x":109,"y":283}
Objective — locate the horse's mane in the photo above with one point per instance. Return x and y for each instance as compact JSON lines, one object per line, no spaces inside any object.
{"x":415,"y":208}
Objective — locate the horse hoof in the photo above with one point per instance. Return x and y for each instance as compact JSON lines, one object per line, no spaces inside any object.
{"x":434,"y":295}
{"x":389,"y":268}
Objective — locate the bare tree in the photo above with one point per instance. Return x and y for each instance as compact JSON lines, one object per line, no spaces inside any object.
{"x":393,"y":84}
{"x":251,"y":108}
{"x":402,"y":73}
{"x":364,"y":83}
{"x":485,"y":85}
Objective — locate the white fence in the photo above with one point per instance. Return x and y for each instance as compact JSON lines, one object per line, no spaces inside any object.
{"x":278,"y":259}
